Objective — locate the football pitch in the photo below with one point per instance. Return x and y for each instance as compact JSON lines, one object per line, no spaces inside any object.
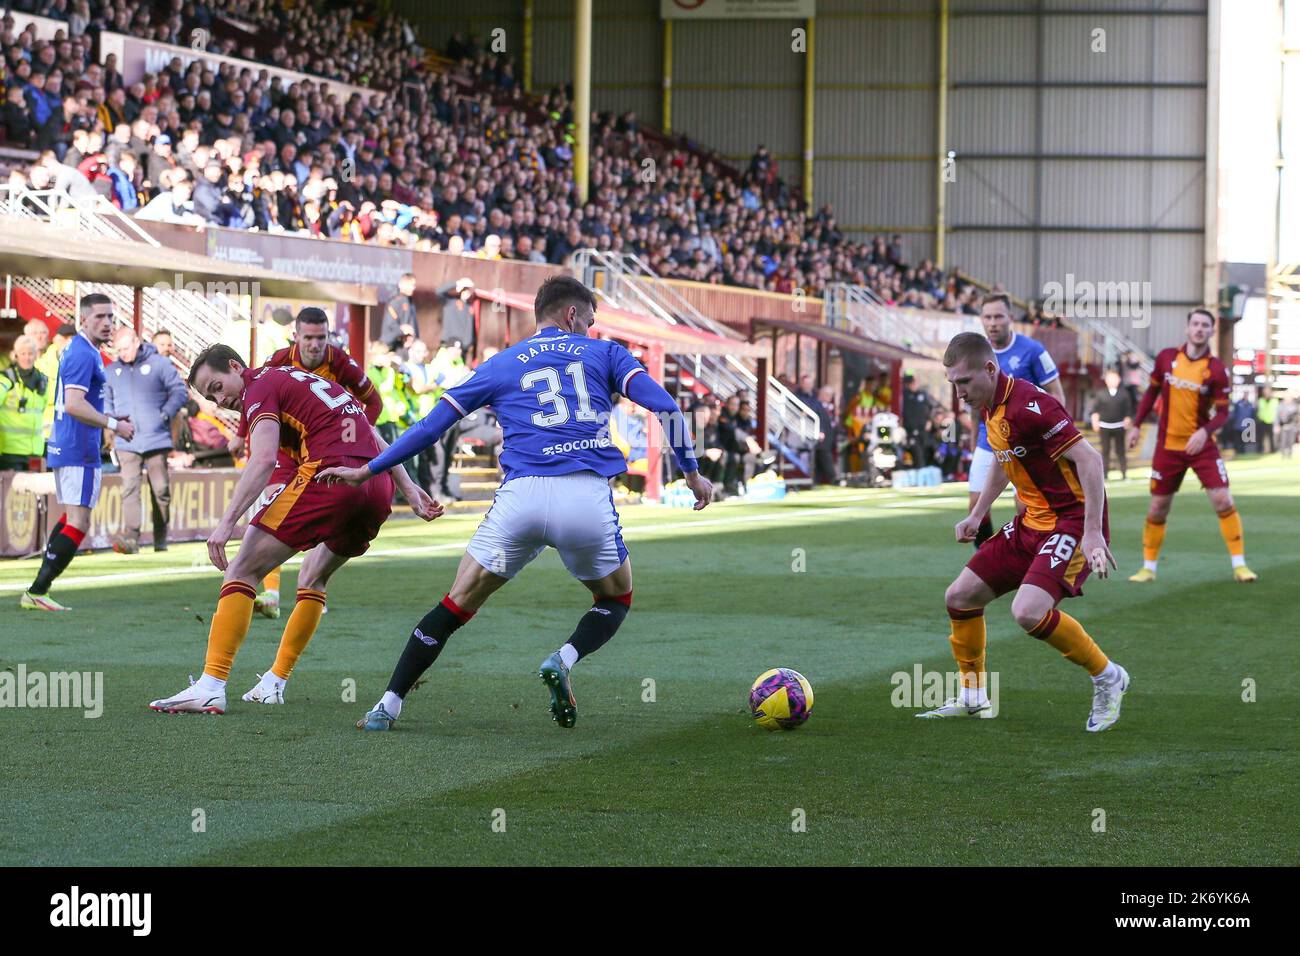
{"x":665,"y":766}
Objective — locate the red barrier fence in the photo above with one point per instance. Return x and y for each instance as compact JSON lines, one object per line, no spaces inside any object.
{"x":199,"y":498}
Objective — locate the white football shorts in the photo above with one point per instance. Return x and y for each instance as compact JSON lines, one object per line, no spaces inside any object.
{"x":981,"y":463}
{"x":77,"y":485}
{"x":574,"y":514}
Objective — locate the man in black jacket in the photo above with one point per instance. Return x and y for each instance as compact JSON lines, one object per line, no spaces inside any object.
{"x":19,"y":126}
{"x":824,"y":470}
{"x":1112,"y":416}
{"x":917,"y":409}
{"x":457,"y":313}
{"x":400,"y":318}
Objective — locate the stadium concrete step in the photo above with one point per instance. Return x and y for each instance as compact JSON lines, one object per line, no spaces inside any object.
{"x":473,"y":476}
{"x":1136,"y":459}
{"x":474,"y":490}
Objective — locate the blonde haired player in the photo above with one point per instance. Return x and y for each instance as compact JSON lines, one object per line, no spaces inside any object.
{"x":1046,"y":552}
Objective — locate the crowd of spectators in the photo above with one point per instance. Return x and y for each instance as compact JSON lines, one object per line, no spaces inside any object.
{"x":458,"y":160}
{"x":849,"y":426}
{"x":728,"y":442}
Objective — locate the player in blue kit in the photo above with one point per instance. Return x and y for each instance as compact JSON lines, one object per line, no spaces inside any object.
{"x":73,"y":449}
{"x":551,"y":393}
{"x":1019,"y":357}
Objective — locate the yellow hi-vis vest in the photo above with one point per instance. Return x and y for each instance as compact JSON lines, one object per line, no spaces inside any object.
{"x":22,"y":414}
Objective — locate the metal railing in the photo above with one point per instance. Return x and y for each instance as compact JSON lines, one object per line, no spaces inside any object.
{"x":58,"y":207}
{"x":196,"y":320}
{"x":1099,"y":343}
{"x":629,"y":283}
{"x":857,"y":308}
{"x":1103,"y":344}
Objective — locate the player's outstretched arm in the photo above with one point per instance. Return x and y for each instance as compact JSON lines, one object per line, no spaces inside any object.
{"x":414,"y":440}
{"x":994,"y":485}
{"x":419,"y":500}
{"x":263,"y":445}
{"x":652,"y":396}
{"x":1088,"y":464}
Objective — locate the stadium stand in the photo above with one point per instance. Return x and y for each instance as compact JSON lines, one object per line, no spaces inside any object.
{"x":452,"y":155}
{"x":372,"y":139}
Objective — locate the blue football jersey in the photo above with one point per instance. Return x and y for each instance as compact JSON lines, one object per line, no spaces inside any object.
{"x":73,"y":442}
{"x":552,"y":395}
{"x":1023,"y":358}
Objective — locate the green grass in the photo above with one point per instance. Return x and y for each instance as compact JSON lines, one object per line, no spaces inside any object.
{"x":1191,"y":775}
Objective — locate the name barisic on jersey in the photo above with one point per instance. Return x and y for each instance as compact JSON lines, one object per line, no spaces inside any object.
{"x":75,"y":909}
{"x":567,"y":348}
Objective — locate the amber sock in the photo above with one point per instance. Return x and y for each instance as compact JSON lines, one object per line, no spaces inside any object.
{"x":1230,"y":528}
{"x":229,"y":628}
{"x":968,"y":641}
{"x":298,"y":630}
{"x":1153,"y":539}
{"x":272,"y":581}
{"x":1068,"y":636}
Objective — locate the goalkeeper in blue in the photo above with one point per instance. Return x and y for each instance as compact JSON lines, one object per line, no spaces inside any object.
{"x":552,"y":394}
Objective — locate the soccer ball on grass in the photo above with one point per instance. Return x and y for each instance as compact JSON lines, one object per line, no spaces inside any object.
{"x":781,"y":699}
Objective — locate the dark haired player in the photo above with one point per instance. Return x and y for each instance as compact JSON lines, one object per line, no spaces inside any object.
{"x":314,"y":424}
{"x":312,"y":352}
{"x":1193,"y":388}
{"x":551,"y":393}
{"x":73,"y":451}
{"x":1043,"y":554}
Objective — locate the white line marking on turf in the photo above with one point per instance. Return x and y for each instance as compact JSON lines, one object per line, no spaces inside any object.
{"x":632,"y":532}
{"x":887,"y":499}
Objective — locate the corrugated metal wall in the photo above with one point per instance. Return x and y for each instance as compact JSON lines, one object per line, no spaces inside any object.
{"x":436,"y":22}
{"x":876,"y":102}
{"x":736,"y":84}
{"x":1069,"y":162}
{"x":626,"y":53}
{"x":1072,"y":162}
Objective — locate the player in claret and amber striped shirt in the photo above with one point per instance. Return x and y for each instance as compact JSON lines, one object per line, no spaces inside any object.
{"x":312,"y":352}
{"x":1043,"y":554}
{"x":1192,"y":386}
{"x":298,"y":424}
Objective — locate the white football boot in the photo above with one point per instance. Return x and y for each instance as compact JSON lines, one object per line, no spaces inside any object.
{"x":956,"y":707}
{"x":40,"y":602}
{"x":192,"y":700}
{"x":1106,"y":699}
{"x":268,"y":690}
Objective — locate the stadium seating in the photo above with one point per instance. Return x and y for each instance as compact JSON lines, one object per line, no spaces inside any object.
{"x":452,"y":155}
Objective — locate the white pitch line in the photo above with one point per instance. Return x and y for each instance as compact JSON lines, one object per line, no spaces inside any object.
{"x":633,"y":531}
{"x":889,"y":500}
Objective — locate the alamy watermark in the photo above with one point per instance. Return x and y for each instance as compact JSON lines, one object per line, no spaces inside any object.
{"x":231,"y":290}
{"x":919,"y":688}
{"x":76,"y":909}
{"x":80,"y":690}
{"x":1084,"y":299}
